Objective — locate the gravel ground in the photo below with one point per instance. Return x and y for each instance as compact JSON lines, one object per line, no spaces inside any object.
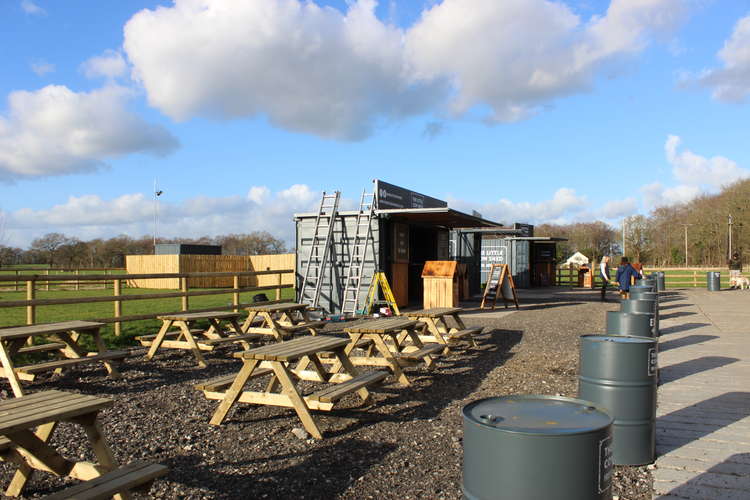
{"x":408,"y":444}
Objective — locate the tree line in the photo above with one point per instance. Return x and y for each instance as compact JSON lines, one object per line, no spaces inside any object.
{"x":659,"y":238}
{"x":59,"y":250}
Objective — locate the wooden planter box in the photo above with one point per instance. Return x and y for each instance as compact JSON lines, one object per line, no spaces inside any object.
{"x":440,"y":279}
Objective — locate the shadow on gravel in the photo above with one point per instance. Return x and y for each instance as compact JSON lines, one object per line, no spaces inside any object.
{"x":685,"y":341}
{"x":700,"y":420}
{"x":452,"y":380}
{"x":727,"y":479}
{"x":673,"y":306}
{"x":548,"y":305}
{"x":678,"y":314}
{"x":682,"y":328}
{"x":309,"y":477}
{"x":686,"y":368}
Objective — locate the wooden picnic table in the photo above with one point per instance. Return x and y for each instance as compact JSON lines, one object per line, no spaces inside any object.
{"x":185,"y":336}
{"x":387,"y":337}
{"x":282,"y":390}
{"x":438,"y":329}
{"x":280,"y":320}
{"x":65,"y":343}
{"x":30,"y":450}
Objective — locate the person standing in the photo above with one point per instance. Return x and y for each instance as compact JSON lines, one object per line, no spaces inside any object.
{"x":735,"y":269}
{"x":625,"y":273}
{"x":604,"y":275}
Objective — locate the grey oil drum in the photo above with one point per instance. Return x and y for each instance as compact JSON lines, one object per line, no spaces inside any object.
{"x":649,"y":282}
{"x":619,"y":374}
{"x":622,"y":323}
{"x":661,"y":281}
{"x":642,"y":288}
{"x":713,"y":281}
{"x":536,"y":447}
{"x":640,"y":294}
{"x":649,"y":307}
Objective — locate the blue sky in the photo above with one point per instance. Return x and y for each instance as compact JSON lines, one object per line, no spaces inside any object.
{"x":526,"y":110}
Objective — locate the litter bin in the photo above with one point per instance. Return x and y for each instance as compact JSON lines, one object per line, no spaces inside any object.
{"x":713,"y":281}
{"x":661,"y":281}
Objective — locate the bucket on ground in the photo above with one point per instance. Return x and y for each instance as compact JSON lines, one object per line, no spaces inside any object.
{"x":713,"y":281}
{"x":619,"y":374}
{"x":533,"y":447}
{"x":634,"y":324}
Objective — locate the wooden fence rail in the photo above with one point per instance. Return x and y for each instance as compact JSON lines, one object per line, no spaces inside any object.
{"x":17,"y":276}
{"x":31,"y":302}
{"x":675,"y":277}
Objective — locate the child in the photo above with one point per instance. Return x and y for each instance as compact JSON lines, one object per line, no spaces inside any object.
{"x":624,"y":274}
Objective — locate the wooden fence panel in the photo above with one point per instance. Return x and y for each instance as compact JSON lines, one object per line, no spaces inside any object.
{"x":272,"y":262}
{"x":153,"y":264}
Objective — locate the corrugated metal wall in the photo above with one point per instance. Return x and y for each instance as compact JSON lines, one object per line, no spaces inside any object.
{"x":507,"y":251}
{"x":332,"y":289}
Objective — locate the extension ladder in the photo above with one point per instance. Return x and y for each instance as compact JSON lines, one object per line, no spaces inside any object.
{"x":320,"y":249}
{"x":362,"y":239}
{"x":379,"y":280}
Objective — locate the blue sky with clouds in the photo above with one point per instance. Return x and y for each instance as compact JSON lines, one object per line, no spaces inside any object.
{"x":526,"y":110}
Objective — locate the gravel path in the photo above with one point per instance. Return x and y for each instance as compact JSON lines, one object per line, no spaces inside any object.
{"x":406,"y":445}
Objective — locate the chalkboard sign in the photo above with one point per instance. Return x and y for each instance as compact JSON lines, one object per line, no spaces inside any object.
{"x":389,"y":196}
{"x":400,"y":243}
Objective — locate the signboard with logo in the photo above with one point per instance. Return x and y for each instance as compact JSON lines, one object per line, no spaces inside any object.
{"x":388,"y":196}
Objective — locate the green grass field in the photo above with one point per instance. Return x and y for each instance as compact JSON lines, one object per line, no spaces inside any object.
{"x":47,"y":314}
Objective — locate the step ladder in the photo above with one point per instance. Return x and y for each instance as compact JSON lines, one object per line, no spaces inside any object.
{"x":320,"y":249}
{"x":380,"y":281}
{"x":358,"y":255}
{"x":494,"y":288}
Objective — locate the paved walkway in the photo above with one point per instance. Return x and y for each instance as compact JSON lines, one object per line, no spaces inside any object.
{"x":703,"y":414}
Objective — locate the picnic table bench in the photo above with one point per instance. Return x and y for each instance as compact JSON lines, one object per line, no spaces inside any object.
{"x":387,"y":338}
{"x":30,"y":449}
{"x":282,"y":390}
{"x":280,"y":320}
{"x":66,"y":338}
{"x":136,"y":476}
{"x":438,"y":329}
{"x":197,"y":340}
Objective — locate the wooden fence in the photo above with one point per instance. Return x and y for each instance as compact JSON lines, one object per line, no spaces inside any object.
{"x":31,"y":303}
{"x":675,"y":277}
{"x":18,"y":277}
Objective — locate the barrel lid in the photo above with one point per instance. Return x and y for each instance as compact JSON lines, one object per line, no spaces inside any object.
{"x":620,"y":339}
{"x":531,"y":414}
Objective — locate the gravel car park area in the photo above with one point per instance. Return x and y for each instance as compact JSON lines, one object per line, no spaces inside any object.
{"x":407,"y":444}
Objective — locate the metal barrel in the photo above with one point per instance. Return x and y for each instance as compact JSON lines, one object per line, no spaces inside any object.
{"x":642,"y":288}
{"x":534,"y":447}
{"x":713,"y":281}
{"x":619,"y":373}
{"x":661,"y":281}
{"x":623,"y":323}
{"x":641,"y":294}
{"x":642,"y":307}
{"x":649,"y":281}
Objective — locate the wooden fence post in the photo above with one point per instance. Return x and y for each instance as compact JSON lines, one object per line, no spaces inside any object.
{"x":236,"y":293}
{"x":18,"y":273}
{"x":184,"y":289}
{"x":105,"y":279}
{"x":31,"y":308}
{"x":116,"y":291}
{"x":695,"y":279}
{"x":278,"y":290}
{"x":46,"y":271}
{"x":78,"y":283}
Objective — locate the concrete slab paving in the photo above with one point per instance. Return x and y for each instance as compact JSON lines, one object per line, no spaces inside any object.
{"x":703,"y":414}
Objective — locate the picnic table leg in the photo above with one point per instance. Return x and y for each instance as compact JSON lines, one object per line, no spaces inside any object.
{"x":165,"y":326}
{"x":414,"y":336}
{"x":288,"y":388}
{"x":439,"y":328}
{"x":352,"y":370}
{"x":248,"y":321}
{"x":462,"y":326}
{"x":103,"y":454}
{"x":24,"y":472}
{"x":234,"y":391}
{"x":276,"y":331}
{"x":382,"y":347}
{"x":101,"y":347}
{"x":185,"y":329}
{"x":9,"y":370}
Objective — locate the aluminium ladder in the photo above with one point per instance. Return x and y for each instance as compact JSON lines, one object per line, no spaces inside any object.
{"x":362,"y":239}
{"x":320,"y":249}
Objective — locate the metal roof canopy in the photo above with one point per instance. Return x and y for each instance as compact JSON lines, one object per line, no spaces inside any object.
{"x":442,"y":216}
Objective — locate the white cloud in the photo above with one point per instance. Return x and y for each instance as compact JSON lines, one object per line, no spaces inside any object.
{"x":31,"y":8}
{"x":109,"y":65}
{"x":41,"y":68}
{"x":616,"y":209}
{"x":55,"y":131}
{"x":563,"y":207}
{"x":656,"y":195}
{"x":694,"y":170}
{"x":90,"y":216}
{"x":258,"y":194}
{"x":338,"y":75}
{"x":732,"y":81}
